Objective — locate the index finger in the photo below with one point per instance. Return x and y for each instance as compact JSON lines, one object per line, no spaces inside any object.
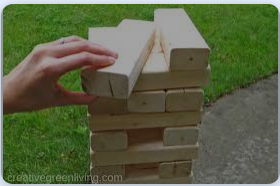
{"x":72,"y":62}
{"x":78,"y":47}
{"x":64,"y":40}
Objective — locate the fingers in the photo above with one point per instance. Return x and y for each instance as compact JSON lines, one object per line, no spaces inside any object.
{"x":64,"y":40}
{"x":75,"y":61}
{"x":70,"y":48}
{"x":66,"y":97}
{"x":78,"y":98}
{"x":73,"y":98}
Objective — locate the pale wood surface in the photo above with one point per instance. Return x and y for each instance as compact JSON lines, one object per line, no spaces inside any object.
{"x":146,"y":102}
{"x":175,"y":169}
{"x":157,"y":47}
{"x":150,"y":176}
{"x":108,"y":141}
{"x":178,"y":100}
{"x":165,"y":79}
{"x":154,"y":179}
{"x":155,"y":74}
{"x":180,"y":135}
{"x":138,"y":167}
{"x":155,"y":64}
{"x":136,"y":121}
{"x":183,"y":45}
{"x":175,"y":100}
{"x":133,"y":40}
{"x":145,"y":153}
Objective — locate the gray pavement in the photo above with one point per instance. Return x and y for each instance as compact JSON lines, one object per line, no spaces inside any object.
{"x":239,"y":137}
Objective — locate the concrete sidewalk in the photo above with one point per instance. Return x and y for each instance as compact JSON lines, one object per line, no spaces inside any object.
{"x":239,"y":137}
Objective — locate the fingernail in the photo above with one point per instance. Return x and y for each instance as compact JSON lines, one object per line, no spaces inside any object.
{"x":111,"y":59}
{"x":116,"y":55}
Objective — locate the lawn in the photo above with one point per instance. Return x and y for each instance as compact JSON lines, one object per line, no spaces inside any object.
{"x":244,"y":48}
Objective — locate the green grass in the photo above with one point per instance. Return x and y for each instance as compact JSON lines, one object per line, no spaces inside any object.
{"x":244,"y":48}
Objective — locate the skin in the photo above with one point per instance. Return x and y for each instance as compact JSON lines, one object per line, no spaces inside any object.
{"x":33,"y":84}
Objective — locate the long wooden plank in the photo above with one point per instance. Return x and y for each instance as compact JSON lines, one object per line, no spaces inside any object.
{"x":143,"y":173}
{"x":137,"y":121}
{"x":156,"y":75}
{"x":145,"y":153}
{"x":149,"y":176}
{"x":183,"y":45}
{"x":133,"y":40}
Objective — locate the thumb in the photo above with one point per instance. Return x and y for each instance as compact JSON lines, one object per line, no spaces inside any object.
{"x":75,"y":98}
{"x":79,"y":98}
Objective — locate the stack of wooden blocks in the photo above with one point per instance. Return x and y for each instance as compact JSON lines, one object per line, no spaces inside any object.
{"x":144,"y":124}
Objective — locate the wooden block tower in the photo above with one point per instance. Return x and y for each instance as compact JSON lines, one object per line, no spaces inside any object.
{"x":144,"y":125}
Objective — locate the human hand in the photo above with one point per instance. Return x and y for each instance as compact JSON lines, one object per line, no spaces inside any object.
{"x":33,"y":84}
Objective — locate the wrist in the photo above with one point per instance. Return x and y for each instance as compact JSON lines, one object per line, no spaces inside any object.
{"x":8,"y":100}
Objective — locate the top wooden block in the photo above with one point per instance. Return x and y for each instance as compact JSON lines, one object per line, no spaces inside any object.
{"x":133,"y":40}
{"x":183,"y":46}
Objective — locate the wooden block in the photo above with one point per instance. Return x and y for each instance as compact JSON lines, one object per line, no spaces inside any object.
{"x":119,"y":79}
{"x":166,"y":170}
{"x":180,"y":135}
{"x":146,"y":102}
{"x":137,"y":121}
{"x":184,"y":99}
{"x":175,"y":169}
{"x":105,"y":105}
{"x":157,"y":47}
{"x":154,"y":179}
{"x":108,"y":141}
{"x":149,"y":176}
{"x":157,"y":76}
{"x":183,"y":168}
{"x":145,"y":153}
{"x":183,"y":46}
{"x":107,"y":170}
